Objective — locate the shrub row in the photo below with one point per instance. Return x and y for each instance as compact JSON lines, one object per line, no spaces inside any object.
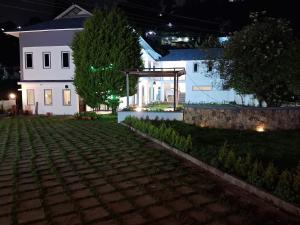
{"x":86,"y":116}
{"x":285,"y":184}
{"x":163,"y":133}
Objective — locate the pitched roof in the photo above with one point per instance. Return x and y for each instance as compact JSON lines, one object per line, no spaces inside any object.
{"x":192,"y":54}
{"x":144,"y":45}
{"x":65,"y":23}
{"x":73,"y":11}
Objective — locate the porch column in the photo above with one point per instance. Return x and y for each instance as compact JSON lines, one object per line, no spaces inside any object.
{"x":174,"y":103}
{"x":162,"y":91}
{"x":177,"y":92}
{"x":138,"y":93}
{"x":127,"y":88}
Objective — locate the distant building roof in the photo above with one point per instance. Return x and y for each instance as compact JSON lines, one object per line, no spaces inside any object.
{"x":144,"y":45}
{"x":192,"y":54}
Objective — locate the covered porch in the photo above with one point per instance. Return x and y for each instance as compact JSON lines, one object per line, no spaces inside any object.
{"x":156,"y":85}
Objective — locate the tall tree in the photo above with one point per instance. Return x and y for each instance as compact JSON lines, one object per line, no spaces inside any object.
{"x":105,"y":47}
{"x":263,"y":59}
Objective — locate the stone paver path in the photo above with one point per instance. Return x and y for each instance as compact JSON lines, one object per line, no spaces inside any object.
{"x":61,"y":171}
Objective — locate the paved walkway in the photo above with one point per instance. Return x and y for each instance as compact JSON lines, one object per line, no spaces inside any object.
{"x":62,"y":171}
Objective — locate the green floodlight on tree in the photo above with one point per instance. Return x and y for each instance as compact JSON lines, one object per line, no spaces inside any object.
{"x":102,"y":68}
{"x":108,"y":27}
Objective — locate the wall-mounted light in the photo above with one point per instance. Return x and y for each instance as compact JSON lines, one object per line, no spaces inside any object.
{"x":12,"y":96}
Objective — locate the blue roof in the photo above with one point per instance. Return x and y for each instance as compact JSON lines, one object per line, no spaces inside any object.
{"x":192,"y":54}
{"x":65,"y":23}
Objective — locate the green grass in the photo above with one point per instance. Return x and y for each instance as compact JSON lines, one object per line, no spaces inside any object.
{"x":280,"y":147}
{"x":161,"y":106}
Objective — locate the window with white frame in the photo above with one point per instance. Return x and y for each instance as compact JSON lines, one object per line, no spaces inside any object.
{"x":28,"y":60}
{"x":46,"y":60}
{"x":30,"y":97}
{"x":66,"y":97}
{"x":195,"y":67}
{"x":65,"y":59}
{"x":48,"y":96}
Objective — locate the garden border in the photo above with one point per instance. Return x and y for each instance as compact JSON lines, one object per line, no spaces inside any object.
{"x":288,"y":207}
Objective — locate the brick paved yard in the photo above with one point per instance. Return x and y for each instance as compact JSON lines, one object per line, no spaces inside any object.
{"x":63,"y":171}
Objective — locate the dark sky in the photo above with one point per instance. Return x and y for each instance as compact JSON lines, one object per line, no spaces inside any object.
{"x":188,"y":15}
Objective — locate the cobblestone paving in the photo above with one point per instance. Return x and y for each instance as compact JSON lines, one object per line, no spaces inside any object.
{"x":62,"y":171}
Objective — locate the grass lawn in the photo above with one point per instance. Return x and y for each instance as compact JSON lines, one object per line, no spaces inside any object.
{"x":58,"y":171}
{"x":280,"y":147}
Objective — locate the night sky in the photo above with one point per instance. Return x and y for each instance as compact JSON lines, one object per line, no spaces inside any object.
{"x":192,"y":17}
{"x":187,"y":15}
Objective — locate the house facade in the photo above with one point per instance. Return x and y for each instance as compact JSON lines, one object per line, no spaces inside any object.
{"x":47,"y":70}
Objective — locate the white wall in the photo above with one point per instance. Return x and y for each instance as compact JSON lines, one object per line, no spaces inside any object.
{"x":57,"y":107}
{"x":200,"y":78}
{"x":56,"y":72}
{"x":205,"y":78}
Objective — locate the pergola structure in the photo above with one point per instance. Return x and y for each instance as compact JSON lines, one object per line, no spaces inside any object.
{"x":156,"y":72}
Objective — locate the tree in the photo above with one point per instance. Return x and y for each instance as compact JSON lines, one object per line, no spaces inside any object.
{"x":105,"y":47}
{"x":263,"y":59}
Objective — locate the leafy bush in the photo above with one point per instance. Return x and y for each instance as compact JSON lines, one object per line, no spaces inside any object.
{"x":222,"y":155}
{"x":284,"y":188}
{"x":94,"y":116}
{"x":230,"y":161}
{"x":296,"y":183}
{"x":86,"y":115}
{"x":256,"y":173}
{"x":270,"y":177}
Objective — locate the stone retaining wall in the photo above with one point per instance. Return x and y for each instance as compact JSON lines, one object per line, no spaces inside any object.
{"x":243,"y":118}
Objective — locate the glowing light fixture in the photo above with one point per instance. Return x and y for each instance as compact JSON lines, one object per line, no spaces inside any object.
{"x":260,"y":128}
{"x":138,"y":109}
{"x":150,"y":33}
{"x":170,"y":25}
{"x":12,"y":96}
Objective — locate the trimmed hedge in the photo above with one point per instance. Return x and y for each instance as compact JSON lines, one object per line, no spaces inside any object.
{"x":163,"y":133}
{"x":95,"y":116}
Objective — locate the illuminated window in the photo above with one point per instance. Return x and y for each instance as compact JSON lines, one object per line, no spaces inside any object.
{"x":28,"y":60}
{"x":202,"y":88}
{"x":66,"y":97}
{"x":195,"y":67}
{"x":48,"y":97}
{"x":30,"y":97}
{"x":46,"y":60}
{"x":65,"y":59}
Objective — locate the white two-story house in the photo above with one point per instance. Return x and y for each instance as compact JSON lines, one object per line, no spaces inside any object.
{"x":47,"y":70}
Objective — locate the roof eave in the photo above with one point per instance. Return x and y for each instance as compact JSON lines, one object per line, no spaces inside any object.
{"x":13,"y":33}
{"x":17,"y":33}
